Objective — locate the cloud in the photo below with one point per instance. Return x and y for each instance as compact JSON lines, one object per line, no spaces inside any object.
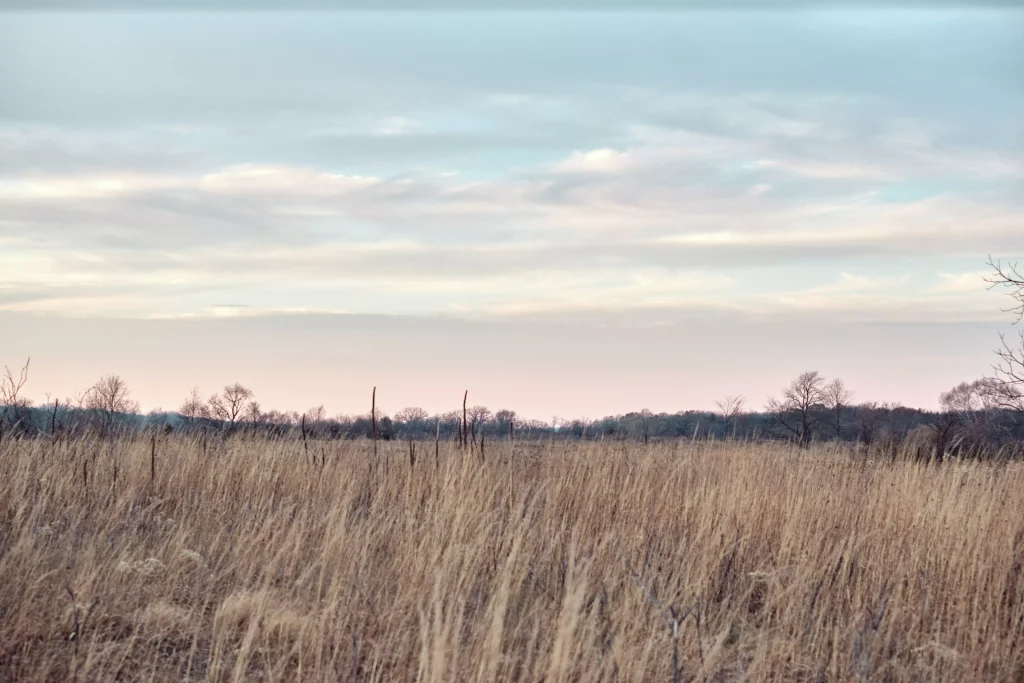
{"x":891,"y":298}
{"x":636,"y":162}
{"x":827,"y":170}
{"x":49,"y":188}
{"x":857,"y":284}
{"x":963,"y":282}
{"x":594,"y":161}
{"x":398,"y":125}
{"x":261,"y":179}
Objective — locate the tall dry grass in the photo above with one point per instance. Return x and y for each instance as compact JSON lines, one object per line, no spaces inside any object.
{"x":243,"y":561}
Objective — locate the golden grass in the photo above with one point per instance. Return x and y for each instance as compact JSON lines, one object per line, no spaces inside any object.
{"x":549,"y":565}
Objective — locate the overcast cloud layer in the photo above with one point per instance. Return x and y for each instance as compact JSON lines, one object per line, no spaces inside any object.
{"x":631,"y":169}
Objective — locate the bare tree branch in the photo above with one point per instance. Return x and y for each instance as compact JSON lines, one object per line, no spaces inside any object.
{"x":795,"y":412}
{"x":111,"y":398}
{"x":1009,"y":371}
{"x":837,"y":397}
{"x":1010,"y":278}
{"x":730,"y":408}
{"x":230,"y":405}
{"x":12,"y":405}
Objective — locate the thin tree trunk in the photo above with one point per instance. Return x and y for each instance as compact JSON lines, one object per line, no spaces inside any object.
{"x":465,"y":433}
{"x":373,"y":421}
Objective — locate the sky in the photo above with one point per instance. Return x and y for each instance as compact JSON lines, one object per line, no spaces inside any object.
{"x":572,"y":213}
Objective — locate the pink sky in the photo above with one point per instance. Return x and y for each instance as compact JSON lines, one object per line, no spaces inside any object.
{"x":541,"y":369}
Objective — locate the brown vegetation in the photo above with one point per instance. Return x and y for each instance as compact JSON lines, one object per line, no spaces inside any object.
{"x":244,"y":559}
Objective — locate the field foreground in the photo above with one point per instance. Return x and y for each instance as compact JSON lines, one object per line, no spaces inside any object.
{"x":246,"y":560}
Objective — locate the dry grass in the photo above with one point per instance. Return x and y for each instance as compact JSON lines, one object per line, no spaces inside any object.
{"x":550,"y":565}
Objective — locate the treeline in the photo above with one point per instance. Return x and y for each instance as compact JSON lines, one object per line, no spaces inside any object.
{"x":980,"y":418}
{"x":977,"y":419}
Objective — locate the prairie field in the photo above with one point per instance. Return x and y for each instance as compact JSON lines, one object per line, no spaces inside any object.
{"x":181,"y":558}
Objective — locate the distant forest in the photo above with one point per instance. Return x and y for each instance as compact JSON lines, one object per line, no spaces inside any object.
{"x":981,"y":418}
{"x":867,"y":424}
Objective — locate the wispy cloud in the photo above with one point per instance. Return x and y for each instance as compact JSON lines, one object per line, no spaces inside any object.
{"x":595,"y":161}
{"x":963,"y":282}
{"x":567,"y":180}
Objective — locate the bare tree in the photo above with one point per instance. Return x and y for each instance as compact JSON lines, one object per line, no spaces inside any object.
{"x":645,"y":421}
{"x":1009,"y":371}
{"x":451,"y":420}
{"x":230,"y":405}
{"x":836,"y":397}
{"x":13,"y":406}
{"x":315,"y":418}
{"x":110,"y":399}
{"x":76,"y":411}
{"x":958,"y":406}
{"x":254,"y":413}
{"x":411,"y":415}
{"x":976,"y":407}
{"x":730,"y":408}
{"x":945,"y":430}
{"x":80,"y":400}
{"x":870,"y":417}
{"x":194,"y":407}
{"x":972,"y":399}
{"x":795,"y":411}
{"x":478,"y":415}
{"x":278,"y":420}
{"x":10,"y":388}
{"x":1008,"y":278}
{"x":505,"y":417}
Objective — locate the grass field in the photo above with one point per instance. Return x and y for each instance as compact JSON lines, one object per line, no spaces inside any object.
{"x":241,"y":560}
